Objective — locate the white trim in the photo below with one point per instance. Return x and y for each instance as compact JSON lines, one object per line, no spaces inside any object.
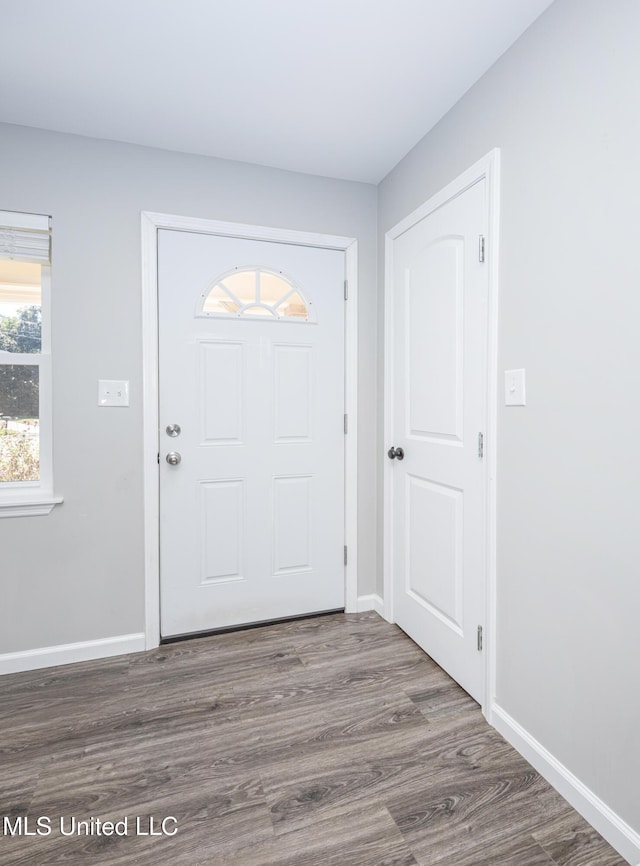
{"x":389,"y":406}
{"x":351,"y":438}
{"x":151,"y":444}
{"x":36,"y":506}
{"x":151,"y":222}
{"x":491,"y":437}
{"x":65,"y":654}
{"x":46,"y":388}
{"x":610,"y":825}
{"x":370,"y":602}
{"x":488,"y":168}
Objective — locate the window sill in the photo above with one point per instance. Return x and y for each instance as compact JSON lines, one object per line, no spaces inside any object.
{"x":34,"y":506}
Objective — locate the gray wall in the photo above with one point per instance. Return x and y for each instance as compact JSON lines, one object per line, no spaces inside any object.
{"x":564,"y":107}
{"x":77,"y":574}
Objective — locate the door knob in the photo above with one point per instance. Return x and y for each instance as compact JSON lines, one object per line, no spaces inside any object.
{"x":392,"y":453}
{"x":173,"y":458}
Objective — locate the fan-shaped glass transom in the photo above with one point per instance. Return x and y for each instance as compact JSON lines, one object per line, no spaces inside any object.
{"x":254,"y":292}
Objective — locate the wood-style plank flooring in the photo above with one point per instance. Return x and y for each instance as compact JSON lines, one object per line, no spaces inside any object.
{"x":330,"y":741}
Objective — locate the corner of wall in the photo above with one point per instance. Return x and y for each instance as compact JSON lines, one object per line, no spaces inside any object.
{"x":611,"y":826}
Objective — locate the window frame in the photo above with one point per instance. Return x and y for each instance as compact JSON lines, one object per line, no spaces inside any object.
{"x":34,"y":498}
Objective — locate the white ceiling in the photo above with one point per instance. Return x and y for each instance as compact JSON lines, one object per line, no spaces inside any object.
{"x":342,"y":88}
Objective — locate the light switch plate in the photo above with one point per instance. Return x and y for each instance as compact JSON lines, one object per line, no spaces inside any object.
{"x":113,"y":392}
{"x":514,"y":388}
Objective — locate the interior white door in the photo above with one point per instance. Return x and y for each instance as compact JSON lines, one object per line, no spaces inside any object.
{"x":251,"y":355}
{"x":440,"y":297}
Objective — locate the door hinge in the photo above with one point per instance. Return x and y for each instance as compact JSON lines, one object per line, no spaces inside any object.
{"x":345,"y":554}
{"x":479,"y":638}
{"x":346,"y":423}
{"x":481,"y":445}
{"x":346,"y":289}
{"x":481,"y":248}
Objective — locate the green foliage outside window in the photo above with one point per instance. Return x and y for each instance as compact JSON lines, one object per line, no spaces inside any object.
{"x":22,"y":332}
{"x":19,"y":384}
{"x":19,"y":397}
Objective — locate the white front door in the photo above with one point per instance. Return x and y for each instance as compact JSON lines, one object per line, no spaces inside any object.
{"x":251,"y":356}
{"x":439,"y":295}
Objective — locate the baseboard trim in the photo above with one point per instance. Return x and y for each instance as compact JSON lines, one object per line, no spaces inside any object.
{"x":370,"y":602}
{"x":616,"y":831}
{"x":51,"y":656}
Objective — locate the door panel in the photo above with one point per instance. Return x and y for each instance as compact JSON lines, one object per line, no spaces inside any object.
{"x":434,"y":542}
{"x":252,"y":518}
{"x":292,"y":524}
{"x":434,"y":326}
{"x":440,"y":291}
{"x":292,"y":394}
{"x":220,"y":406}
{"x":222,"y":528}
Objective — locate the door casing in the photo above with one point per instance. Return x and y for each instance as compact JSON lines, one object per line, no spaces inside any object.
{"x":489,"y":168}
{"x":151,"y":222}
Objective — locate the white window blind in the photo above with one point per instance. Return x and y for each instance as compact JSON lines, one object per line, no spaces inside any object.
{"x":26,"y":237}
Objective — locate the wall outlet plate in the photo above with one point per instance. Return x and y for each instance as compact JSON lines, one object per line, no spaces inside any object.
{"x":113,"y":392}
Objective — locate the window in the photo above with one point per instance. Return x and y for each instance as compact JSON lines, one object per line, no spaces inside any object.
{"x":26,"y":483}
{"x":255,"y":292}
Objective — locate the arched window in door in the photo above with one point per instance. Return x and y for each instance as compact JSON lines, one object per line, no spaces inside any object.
{"x":255,"y":292}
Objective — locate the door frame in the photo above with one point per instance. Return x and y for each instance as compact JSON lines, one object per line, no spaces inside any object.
{"x":150,"y":223}
{"x":488,"y":167}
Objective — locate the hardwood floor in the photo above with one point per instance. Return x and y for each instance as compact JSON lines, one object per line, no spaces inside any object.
{"x":331,"y":741}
